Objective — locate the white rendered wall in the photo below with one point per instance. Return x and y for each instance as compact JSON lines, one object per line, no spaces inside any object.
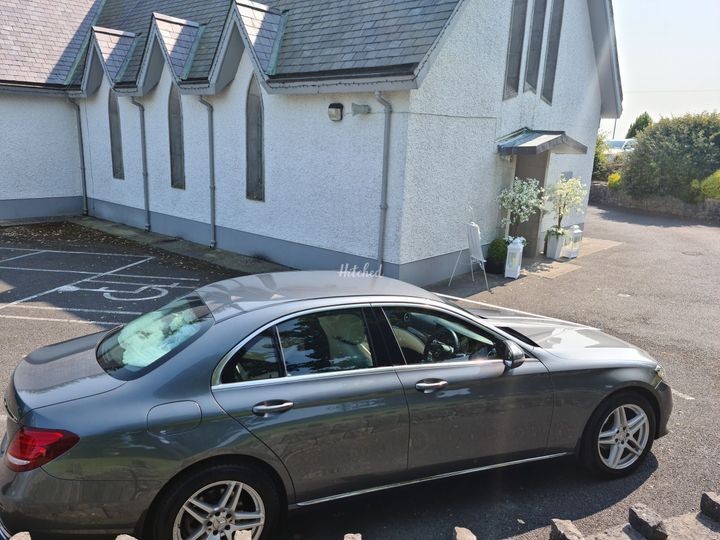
{"x":322,"y":178}
{"x":458,"y":113}
{"x":39,"y":153}
{"x":96,"y":133}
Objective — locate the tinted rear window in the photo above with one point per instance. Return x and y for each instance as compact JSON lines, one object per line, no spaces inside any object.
{"x":146,"y":342}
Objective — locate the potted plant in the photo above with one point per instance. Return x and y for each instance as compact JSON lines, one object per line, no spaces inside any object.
{"x":565,"y":196}
{"x":521,"y":200}
{"x":497,"y":252}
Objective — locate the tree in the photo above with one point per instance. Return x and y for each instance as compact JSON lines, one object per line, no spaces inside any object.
{"x":672,"y":156}
{"x":600,"y":162}
{"x":641,"y":123}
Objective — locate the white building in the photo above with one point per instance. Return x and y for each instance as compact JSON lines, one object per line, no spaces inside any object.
{"x":311,"y":133}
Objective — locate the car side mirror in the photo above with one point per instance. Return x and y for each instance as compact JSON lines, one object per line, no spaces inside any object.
{"x":514,"y":355}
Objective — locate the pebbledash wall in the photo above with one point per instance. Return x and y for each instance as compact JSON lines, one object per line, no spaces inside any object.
{"x":456,"y":117}
{"x":39,"y":160}
{"x":323,"y":179}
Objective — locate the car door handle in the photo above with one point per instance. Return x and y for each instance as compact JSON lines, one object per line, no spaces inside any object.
{"x":430,"y":385}
{"x":262,"y":409}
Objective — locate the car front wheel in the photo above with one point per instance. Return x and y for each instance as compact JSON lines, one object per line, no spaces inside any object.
{"x":619,"y":435}
{"x":217,"y":501}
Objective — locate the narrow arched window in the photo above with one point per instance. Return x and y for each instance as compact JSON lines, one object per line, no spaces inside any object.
{"x":115,"y":136}
{"x":255,"y":181}
{"x":177,"y":145}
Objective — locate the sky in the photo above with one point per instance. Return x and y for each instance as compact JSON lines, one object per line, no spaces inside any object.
{"x":669,"y":58}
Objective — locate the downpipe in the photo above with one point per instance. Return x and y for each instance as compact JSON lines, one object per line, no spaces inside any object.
{"x":81,"y":144}
{"x":211,"y":154}
{"x":143,"y":152}
{"x":383,"y":193}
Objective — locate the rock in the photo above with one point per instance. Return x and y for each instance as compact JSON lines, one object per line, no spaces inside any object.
{"x":21,"y":536}
{"x":563,"y":529}
{"x":464,"y":534}
{"x":647,"y":522}
{"x":710,"y":505}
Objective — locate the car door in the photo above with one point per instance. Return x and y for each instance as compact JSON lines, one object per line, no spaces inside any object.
{"x":466,"y":408}
{"x":319,"y":392}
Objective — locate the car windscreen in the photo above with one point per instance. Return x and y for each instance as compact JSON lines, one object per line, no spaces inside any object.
{"x":136,"y":348}
{"x":616,"y":145}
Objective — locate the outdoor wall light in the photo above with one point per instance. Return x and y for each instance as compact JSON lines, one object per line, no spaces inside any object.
{"x":335,"y":112}
{"x":360,"y":109}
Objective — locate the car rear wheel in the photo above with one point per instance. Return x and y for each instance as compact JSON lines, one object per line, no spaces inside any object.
{"x":619,"y":435}
{"x":217,"y":501}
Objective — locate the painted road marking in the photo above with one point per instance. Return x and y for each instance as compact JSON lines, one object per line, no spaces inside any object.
{"x":681,"y":395}
{"x":55,"y":289}
{"x":80,"y":310}
{"x":163,"y":285}
{"x":21,"y":256}
{"x":47,"y":319}
{"x":109,"y":293}
{"x":85,"y":272}
{"x":75,"y":252}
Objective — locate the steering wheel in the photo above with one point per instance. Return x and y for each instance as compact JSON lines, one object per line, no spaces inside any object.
{"x":437,"y":350}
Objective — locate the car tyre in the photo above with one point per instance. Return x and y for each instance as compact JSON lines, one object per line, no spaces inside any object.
{"x":617,"y":438}
{"x":217,"y":487}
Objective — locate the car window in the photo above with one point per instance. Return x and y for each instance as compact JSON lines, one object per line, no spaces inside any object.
{"x":257,"y":360}
{"x":616,"y":145}
{"x":140,"y":345}
{"x":425,"y":336}
{"x":326,"y":341}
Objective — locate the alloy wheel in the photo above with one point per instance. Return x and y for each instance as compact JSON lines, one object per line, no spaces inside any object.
{"x":623,"y":436}
{"x":217,"y":510}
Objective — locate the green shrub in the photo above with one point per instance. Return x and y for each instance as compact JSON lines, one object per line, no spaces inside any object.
{"x":692,"y":193}
{"x":615,"y":181}
{"x":671,"y":154}
{"x":497,"y":251}
{"x":600,"y":162}
{"x":641,"y":123}
{"x":711,"y":186}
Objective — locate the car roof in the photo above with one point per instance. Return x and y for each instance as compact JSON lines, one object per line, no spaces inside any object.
{"x":239,"y":295}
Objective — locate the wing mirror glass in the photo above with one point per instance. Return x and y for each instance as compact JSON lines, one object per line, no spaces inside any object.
{"x":514,"y":355}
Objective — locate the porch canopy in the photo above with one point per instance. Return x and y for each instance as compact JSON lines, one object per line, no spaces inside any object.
{"x":528,"y":142}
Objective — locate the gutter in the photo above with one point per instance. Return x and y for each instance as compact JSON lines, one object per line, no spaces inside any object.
{"x":143,"y":151}
{"x":81,"y":144}
{"x":211,"y":154}
{"x":383,"y":192}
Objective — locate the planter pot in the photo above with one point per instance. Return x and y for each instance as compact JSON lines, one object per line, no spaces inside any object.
{"x":555,"y":246}
{"x":495,"y":267}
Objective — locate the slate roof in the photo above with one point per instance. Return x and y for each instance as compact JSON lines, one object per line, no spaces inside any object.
{"x":40,"y":40}
{"x":332,"y":35}
{"x":136,"y":16}
{"x":114,"y":47}
{"x":178,"y":37}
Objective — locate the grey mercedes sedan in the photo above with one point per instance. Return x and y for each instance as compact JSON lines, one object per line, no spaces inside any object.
{"x":253,"y":395}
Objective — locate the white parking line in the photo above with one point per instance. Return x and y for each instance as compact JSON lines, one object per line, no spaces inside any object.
{"x":21,"y":256}
{"x":76,"y":252}
{"x":86,"y":273}
{"x":77,"y":321}
{"x":79,"y":310}
{"x":163,"y":285}
{"x":55,"y":289}
{"x":681,"y":395}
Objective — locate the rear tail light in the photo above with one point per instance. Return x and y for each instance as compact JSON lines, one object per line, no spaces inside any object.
{"x":33,"y":447}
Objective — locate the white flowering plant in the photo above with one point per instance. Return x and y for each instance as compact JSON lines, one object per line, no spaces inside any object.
{"x":565,"y":196}
{"x":521,"y":200}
